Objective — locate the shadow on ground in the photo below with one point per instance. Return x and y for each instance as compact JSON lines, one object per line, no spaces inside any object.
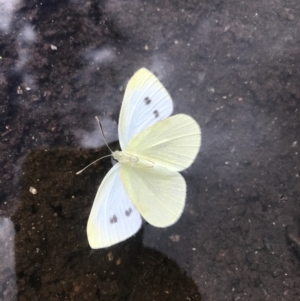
{"x":53,"y":258}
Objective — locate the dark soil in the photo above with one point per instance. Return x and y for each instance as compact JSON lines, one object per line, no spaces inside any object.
{"x":233,"y":66}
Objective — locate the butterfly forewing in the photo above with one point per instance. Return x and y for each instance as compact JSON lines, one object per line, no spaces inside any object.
{"x":113,"y":217}
{"x":172,"y":143}
{"x":159,"y":194}
{"x":145,"y":102}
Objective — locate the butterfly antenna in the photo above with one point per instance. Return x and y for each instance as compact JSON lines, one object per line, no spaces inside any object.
{"x":80,"y":171}
{"x":101,"y":130}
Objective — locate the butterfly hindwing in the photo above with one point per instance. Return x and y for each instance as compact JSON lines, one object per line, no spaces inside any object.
{"x":158,"y":194}
{"x":145,"y":102}
{"x":113,"y":217}
{"x":172,"y":143}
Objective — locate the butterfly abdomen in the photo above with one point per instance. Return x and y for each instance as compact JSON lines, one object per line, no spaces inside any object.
{"x":132,"y":160}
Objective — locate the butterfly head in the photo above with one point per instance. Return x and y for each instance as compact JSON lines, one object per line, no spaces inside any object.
{"x":117,"y":155}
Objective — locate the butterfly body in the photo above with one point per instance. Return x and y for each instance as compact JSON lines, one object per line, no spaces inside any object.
{"x":132,"y":160}
{"x":146,"y":180}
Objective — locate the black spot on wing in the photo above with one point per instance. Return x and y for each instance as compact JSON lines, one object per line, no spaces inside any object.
{"x":147,"y":100}
{"x":113,"y":219}
{"x":156,"y":113}
{"x":128,"y":212}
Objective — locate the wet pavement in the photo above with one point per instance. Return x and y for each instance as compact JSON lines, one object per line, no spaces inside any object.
{"x":233,"y":66}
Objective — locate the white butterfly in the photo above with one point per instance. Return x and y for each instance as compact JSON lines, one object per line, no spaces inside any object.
{"x":145,"y":181}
